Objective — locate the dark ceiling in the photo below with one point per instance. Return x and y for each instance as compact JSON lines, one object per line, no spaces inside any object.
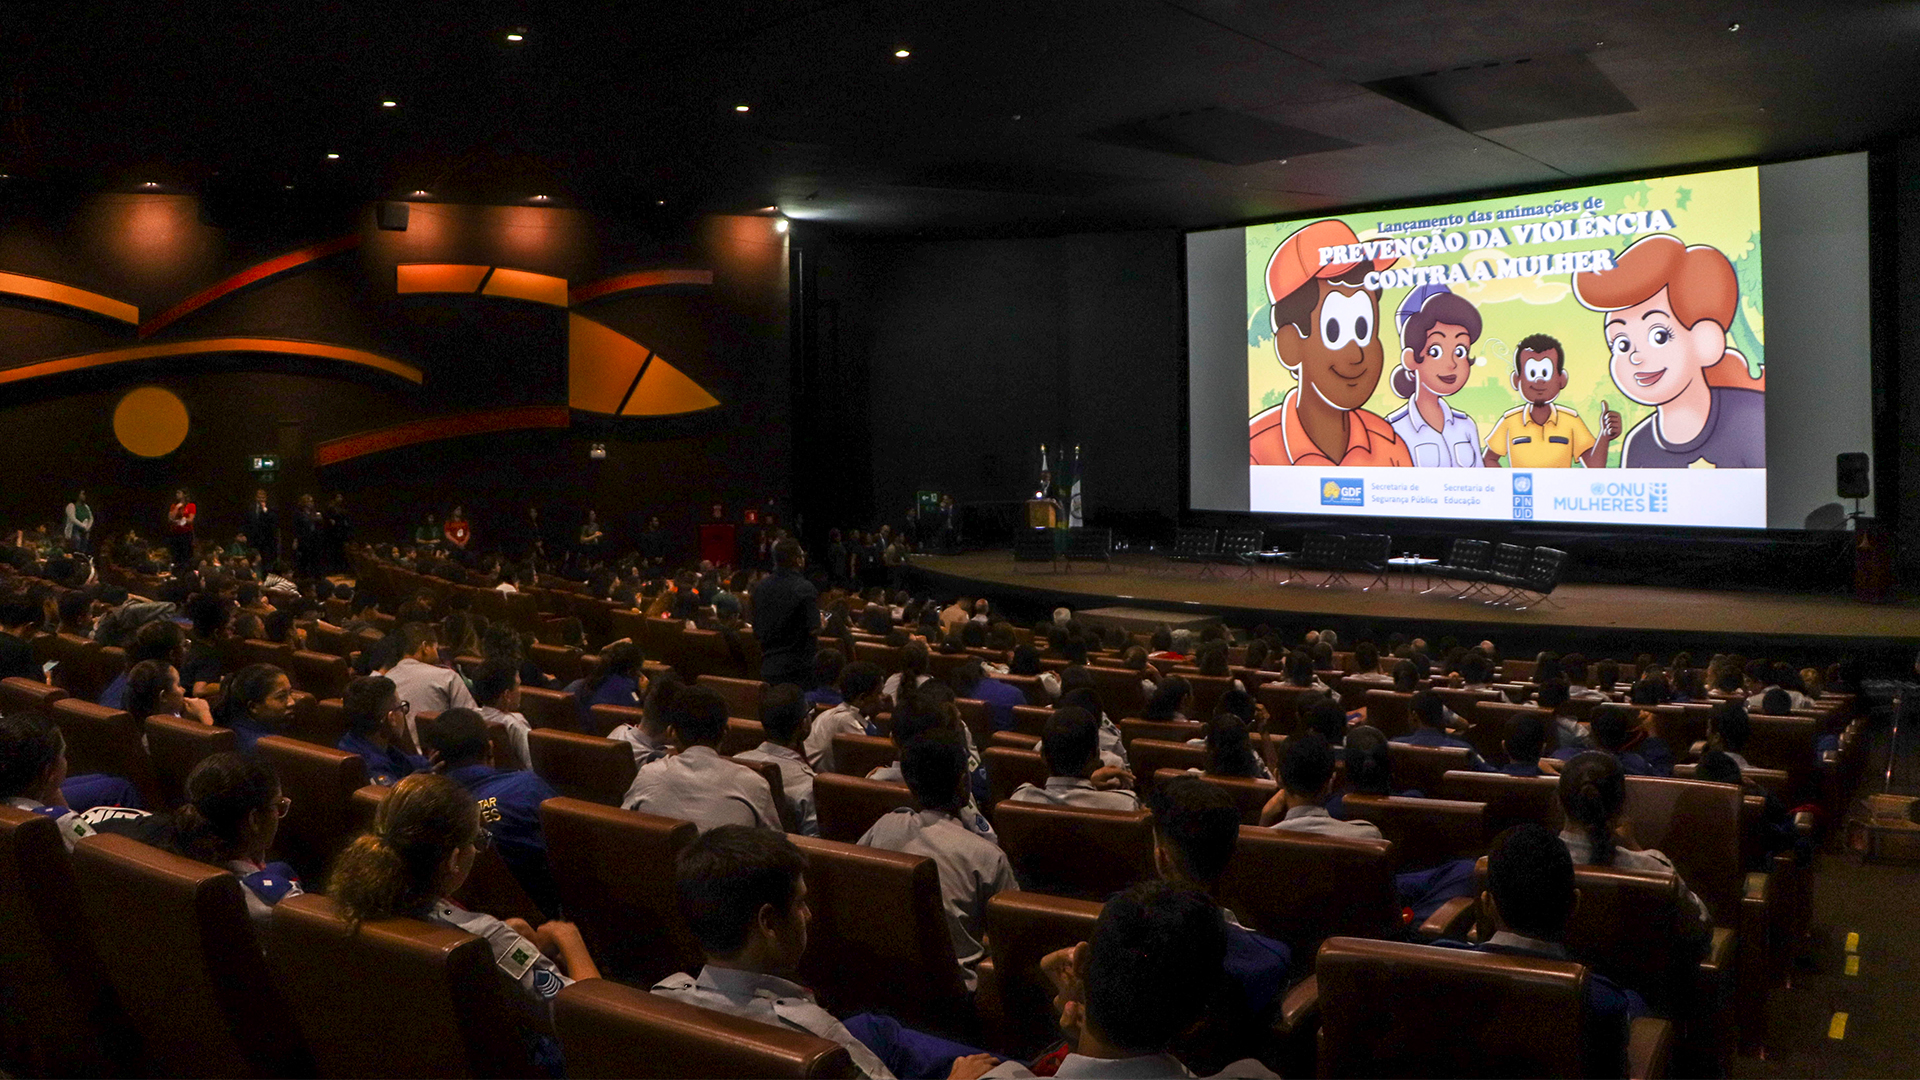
{"x":1008,"y":117}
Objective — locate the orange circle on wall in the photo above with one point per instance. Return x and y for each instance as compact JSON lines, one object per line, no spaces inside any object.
{"x":150,"y":422}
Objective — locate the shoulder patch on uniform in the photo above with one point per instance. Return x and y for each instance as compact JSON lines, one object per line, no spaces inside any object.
{"x":547,"y":983}
{"x":517,"y":956}
{"x":271,"y":885}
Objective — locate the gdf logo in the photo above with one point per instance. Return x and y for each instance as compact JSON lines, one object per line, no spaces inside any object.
{"x":1335,"y":491}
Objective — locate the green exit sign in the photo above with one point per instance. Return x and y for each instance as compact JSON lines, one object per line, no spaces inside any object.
{"x":265,"y":463}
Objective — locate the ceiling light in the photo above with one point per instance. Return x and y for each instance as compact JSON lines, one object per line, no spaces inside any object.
{"x":742,"y":108}
{"x":539,"y":198}
{"x":333,"y":157}
{"x":780,"y":225}
{"x":518,"y":33}
{"x":1733,"y":26}
{"x":388,"y":104}
{"x":149,"y":184}
{"x":419,"y":193}
{"x":901,"y":54}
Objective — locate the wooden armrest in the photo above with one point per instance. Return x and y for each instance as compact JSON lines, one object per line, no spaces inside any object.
{"x":1803,"y":822}
{"x":1649,"y":1048}
{"x":1719,"y":958}
{"x":1452,"y":919}
{"x":988,"y":1004}
{"x":1299,"y":1009}
{"x":1759,"y":888}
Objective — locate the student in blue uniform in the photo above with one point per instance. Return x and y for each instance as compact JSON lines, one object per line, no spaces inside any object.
{"x":231,"y":816}
{"x":255,"y":704}
{"x":420,"y":850}
{"x":1429,"y":710}
{"x":1525,"y":742}
{"x":1369,"y":770}
{"x":509,"y":800}
{"x":1611,"y":728}
{"x":376,"y":719}
{"x":160,"y":640}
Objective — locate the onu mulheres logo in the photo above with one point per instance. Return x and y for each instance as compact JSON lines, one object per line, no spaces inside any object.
{"x":1338,"y":492}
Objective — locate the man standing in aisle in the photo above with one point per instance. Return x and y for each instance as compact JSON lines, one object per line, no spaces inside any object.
{"x":263,"y":528}
{"x":786,"y":618}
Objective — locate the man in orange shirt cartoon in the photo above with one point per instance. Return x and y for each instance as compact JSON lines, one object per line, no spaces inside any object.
{"x":1326,"y":330}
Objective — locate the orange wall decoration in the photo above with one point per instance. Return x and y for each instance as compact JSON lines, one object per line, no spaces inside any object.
{"x":501,"y":281}
{"x":313,"y":349}
{"x":609,"y":372}
{"x":434,"y":429}
{"x":54,"y":292}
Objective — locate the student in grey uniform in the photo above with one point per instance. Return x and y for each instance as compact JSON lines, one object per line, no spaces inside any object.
{"x":1112,"y":750}
{"x":972,"y":868}
{"x":744,"y":896}
{"x":783,"y":709}
{"x":1071,"y":744}
{"x":1593,"y":792}
{"x":1306,"y":781}
{"x":861,"y":700}
{"x":421,"y":682}
{"x":496,"y":688}
{"x":697,"y":784}
{"x":231,"y":816}
{"x":651,"y":739}
{"x":420,"y":850}
{"x":931,"y":708}
{"x":1156,"y":961}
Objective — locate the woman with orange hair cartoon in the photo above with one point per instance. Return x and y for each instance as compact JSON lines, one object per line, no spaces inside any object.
{"x":1665,"y":309}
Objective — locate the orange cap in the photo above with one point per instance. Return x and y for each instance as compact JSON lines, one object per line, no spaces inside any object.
{"x":1297,"y":260}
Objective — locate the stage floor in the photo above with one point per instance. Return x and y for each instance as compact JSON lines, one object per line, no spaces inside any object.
{"x":1610,"y":610}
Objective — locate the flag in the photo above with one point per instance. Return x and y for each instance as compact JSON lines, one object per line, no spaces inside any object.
{"x":1074,"y":519}
{"x":1046,"y":477}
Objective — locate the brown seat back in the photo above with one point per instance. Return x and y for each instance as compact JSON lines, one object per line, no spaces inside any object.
{"x":1420,"y":767}
{"x":1389,"y":711}
{"x":978,"y":718}
{"x":1786,"y":743}
{"x":1015,"y":740}
{"x":343,"y":986}
{"x":880,"y":934}
{"x":741,"y":735}
{"x":1207,"y":690}
{"x":604,"y":718}
{"x":560,"y":662}
{"x":77,"y":673}
{"x":103,"y":740}
{"x":549,"y":709}
{"x":1249,"y":795}
{"x":777,"y":787}
{"x":614,"y":869}
{"x":582,"y":766}
{"x":1772,"y":781}
{"x":1488,"y":730}
{"x":743,"y":695}
{"x":611,"y":1030}
{"x":175,"y":746}
{"x":1283,"y":703}
{"x":1630,"y":926}
{"x":179,"y":949}
{"x":321,"y":783}
{"x":321,"y":674}
{"x":873,"y":652}
{"x":1425,"y":832}
{"x":17,"y":694}
{"x":1022,"y":928}
{"x":1302,"y":888}
{"x":1179,"y":731}
{"x":58,"y":1015}
{"x":1148,"y":757}
{"x":1008,"y":768}
{"x":1679,"y":727}
{"x":1510,"y":800}
{"x":847,"y":806}
{"x":1119,"y":691}
{"x":324,"y":723}
{"x":490,"y":886}
{"x":1392,"y":1009}
{"x":858,"y":755}
{"x":1028,"y":685}
{"x":1697,"y":825}
{"x":1076,"y":851}
{"x":1030,"y":719}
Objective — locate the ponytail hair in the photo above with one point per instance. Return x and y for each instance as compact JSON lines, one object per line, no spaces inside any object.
{"x":393,"y":869}
{"x":222,"y":792}
{"x":1230,"y":747}
{"x":1593,"y":790}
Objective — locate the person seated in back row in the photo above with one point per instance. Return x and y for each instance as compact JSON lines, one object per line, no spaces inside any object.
{"x":509,"y":799}
{"x":972,"y":867}
{"x":376,"y":718}
{"x":1070,"y":742}
{"x":1306,"y":781}
{"x":1369,"y":771}
{"x":1525,"y":742}
{"x":783,"y":714}
{"x":231,"y":815}
{"x":743,"y":893}
{"x":33,"y":777}
{"x":496,"y":689}
{"x":1429,"y":710}
{"x":697,"y":784}
{"x":651,"y":739}
{"x":861,"y":701}
{"x":1611,"y":728}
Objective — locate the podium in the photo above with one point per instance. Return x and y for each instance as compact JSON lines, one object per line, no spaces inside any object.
{"x":1043,"y":514}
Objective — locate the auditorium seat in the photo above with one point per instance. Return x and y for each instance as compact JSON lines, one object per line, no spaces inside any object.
{"x":742,"y":735}
{"x":180,"y":951}
{"x":1028,"y":685}
{"x":1283,"y":704}
{"x":1388,"y":710}
{"x":1119,"y":691}
{"x":322,"y":723}
{"x":1510,"y":800}
{"x":610,"y":1031}
{"x":1015,"y":740}
{"x":17,"y":694}
{"x":1487,"y":727}
{"x":343,"y":985}
{"x":76,"y":672}
{"x":321,"y":782}
{"x":320,"y":674}
{"x":880,"y":939}
{"x":1302,"y":888}
{"x":1008,"y":768}
{"x":175,"y":746}
{"x":1393,"y":1009}
{"x":1148,"y":757}
{"x":1031,"y":719}
{"x":742,"y":695}
{"x":1166,"y":730}
{"x":491,"y":886}
{"x":242,"y":652}
{"x":61,"y":1017}
{"x":1206,"y":692}
{"x":1424,"y":832}
{"x":550,"y":709}
{"x":1786,"y":743}
{"x":858,"y":755}
{"x":979,"y":720}
{"x":1075,"y":851}
{"x":1249,"y":795}
{"x":777,"y":787}
{"x":561,"y":663}
{"x":582,"y":766}
{"x":103,"y":740}
{"x":847,"y":806}
{"x":614,"y":869}
{"x":1419,"y":768}
{"x":1015,"y":999}
{"x":886,"y":657}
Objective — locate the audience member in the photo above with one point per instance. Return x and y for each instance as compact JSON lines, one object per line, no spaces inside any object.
{"x":1306,"y":781}
{"x":376,"y":718}
{"x":232,"y":813}
{"x":255,"y":704}
{"x":509,"y":799}
{"x":1070,"y":742}
{"x":1593,"y":792}
{"x":651,"y":738}
{"x":419,"y":679}
{"x":697,"y":784}
{"x":496,"y":691}
{"x":783,"y":714}
{"x":861,"y":700}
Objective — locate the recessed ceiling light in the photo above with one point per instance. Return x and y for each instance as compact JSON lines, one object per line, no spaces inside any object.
{"x":333,"y":157}
{"x":149,"y":184}
{"x":518,"y":33}
{"x":1733,"y":26}
{"x":780,"y":225}
{"x":742,"y":108}
{"x":659,"y":202}
{"x":539,"y":198}
{"x":901,"y":54}
{"x":389,"y":103}
{"x":419,"y":193}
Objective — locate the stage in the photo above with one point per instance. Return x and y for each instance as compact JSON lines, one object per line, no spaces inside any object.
{"x":1590,"y":617}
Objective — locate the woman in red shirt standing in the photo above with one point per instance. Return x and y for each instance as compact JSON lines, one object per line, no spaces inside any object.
{"x":180,"y":517}
{"x":457,"y":531}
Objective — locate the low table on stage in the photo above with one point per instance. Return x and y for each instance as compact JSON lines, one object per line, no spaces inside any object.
{"x":1413,"y":564}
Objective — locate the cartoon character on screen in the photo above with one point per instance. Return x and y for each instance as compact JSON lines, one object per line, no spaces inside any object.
{"x":1326,"y":332}
{"x":1542,"y":434}
{"x":1437,"y":330}
{"x":1665,"y":309}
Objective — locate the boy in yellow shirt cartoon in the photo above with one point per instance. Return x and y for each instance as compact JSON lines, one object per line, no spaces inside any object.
{"x":1541,"y":434}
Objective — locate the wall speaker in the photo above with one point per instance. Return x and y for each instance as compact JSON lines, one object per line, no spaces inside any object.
{"x":391,"y":216}
{"x":1851,"y":474}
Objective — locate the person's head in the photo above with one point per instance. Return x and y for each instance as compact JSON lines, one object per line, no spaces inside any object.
{"x":1366,"y":658}
{"x":1299,"y":667}
{"x":370,"y":706}
{"x":1230,"y":747}
{"x":1025,"y":661}
{"x":698,"y":716}
{"x":934,"y":766}
{"x":1325,"y":715}
{"x":860,"y":685}
{"x":1475,"y":668}
{"x":1718,"y":766}
{"x":21,"y":610}
{"x":1406,"y":676}
{"x":457,"y":738}
{"x":1369,"y":766}
{"x":1776,"y":702}
{"x":1553,"y":693}
{"x":1526,"y":737}
{"x":425,"y":838}
{"x":1539,"y":368}
{"x":497,"y":684}
{"x":1647,"y":690}
{"x":1437,"y":330}
{"x":1237,"y":702}
{"x":1212,"y":658}
{"x":1593,"y":792}
{"x":153,"y":688}
{"x":827,"y":664}
{"x":33,"y":757}
{"x":661,"y":693}
{"x":1162,"y":639}
{"x":420,"y":641}
{"x":1152,"y":968}
{"x":74,"y":606}
{"x":209,"y":614}
{"x":783,"y":711}
{"x":1611,"y":726}
{"x":1665,"y":310}
{"x":743,"y":893}
{"x":1530,"y":882}
{"x":1306,"y":765}
{"x":1606,"y":674}
{"x":159,"y":640}
{"x":1183,"y":641}
{"x":1169,"y":699}
{"x":789,"y":555}
{"x":1258,"y":650}
{"x":232,"y":811}
{"x":1071,"y":742}
{"x":1429,"y":709}
{"x":1730,"y":725}
{"x":1195,"y":828}
{"x":258,"y":694}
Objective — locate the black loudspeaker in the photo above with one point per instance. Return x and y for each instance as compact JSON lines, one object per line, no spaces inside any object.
{"x":1851,"y":473}
{"x":391,"y":216}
